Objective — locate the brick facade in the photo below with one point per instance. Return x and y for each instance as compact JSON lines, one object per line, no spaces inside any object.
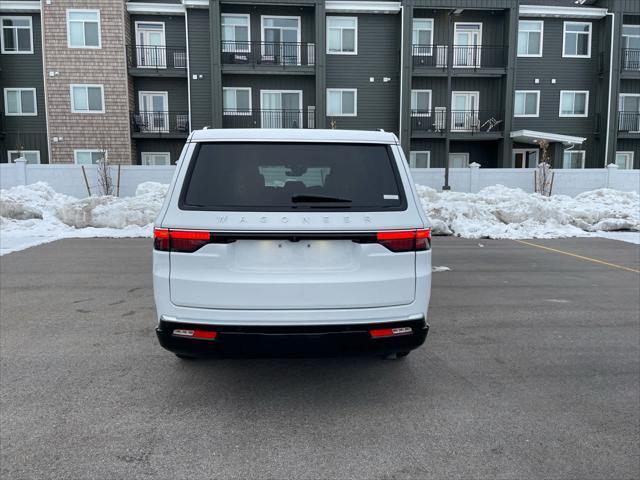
{"x":69,"y":131}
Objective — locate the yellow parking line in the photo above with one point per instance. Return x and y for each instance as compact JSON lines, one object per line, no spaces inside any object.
{"x":588,"y":259}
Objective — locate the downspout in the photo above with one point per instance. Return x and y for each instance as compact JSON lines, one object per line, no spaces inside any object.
{"x":609,"y":100}
{"x":186,"y":33}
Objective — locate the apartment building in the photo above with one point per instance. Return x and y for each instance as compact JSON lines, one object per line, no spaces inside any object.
{"x":459,"y":81}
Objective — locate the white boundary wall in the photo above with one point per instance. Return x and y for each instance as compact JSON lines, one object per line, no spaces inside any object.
{"x":68,"y":179}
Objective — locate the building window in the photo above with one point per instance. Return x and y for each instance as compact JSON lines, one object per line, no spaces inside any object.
{"x":530,"y":35}
{"x":458,"y":160}
{"x":236,"y":101}
{"x":342,"y":102}
{"x":527,"y":103}
{"x":20,"y":102}
{"x":624,"y":160}
{"x":236,"y":35}
{"x":17,"y":35}
{"x":629,"y":116}
{"x":420,"y":103}
{"x":32,"y":156}
{"x":422,"y":37}
{"x":87,"y":99}
{"x":83,"y":28}
{"x":631,"y":47}
{"x":156,"y":158}
{"x":574,"y":103}
{"x":573,"y":159}
{"x":577,"y":40}
{"x":420,"y":159}
{"x":89,"y":157}
{"x":342,"y":35}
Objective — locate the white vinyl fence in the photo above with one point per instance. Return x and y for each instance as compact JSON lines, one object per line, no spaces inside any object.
{"x":68,"y":179}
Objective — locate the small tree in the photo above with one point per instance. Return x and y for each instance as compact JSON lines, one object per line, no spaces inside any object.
{"x":105,"y":182}
{"x":544,"y":173}
{"x":333,"y":124}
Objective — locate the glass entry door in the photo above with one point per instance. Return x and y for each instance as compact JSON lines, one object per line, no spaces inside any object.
{"x":151,"y":51}
{"x":464,"y":111}
{"x":281,"y":40}
{"x":630,"y":113}
{"x":281,"y":109}
{"x":468,"y":39}
{"x":525,"y":158}
{"x":631,"y":47}
{"x":154,"y":114}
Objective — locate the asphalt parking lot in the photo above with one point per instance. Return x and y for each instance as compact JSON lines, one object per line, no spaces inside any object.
{"x":531,"y":370}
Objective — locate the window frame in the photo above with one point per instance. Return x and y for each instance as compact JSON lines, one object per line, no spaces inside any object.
{"x":2,"y":27}
{"x":74,"y":10}
{"x":527,"y":115}
{"x":574,"y":115}
{"x":236,"y":112}
{"x":467,"y":158}
{"x":412,"y":155}
{"x":355,"y":35}
{"x":87,"y":150}
{"x":564,"y":38}
{"x":142,"y":155}
{"x":236,"y":49}
{"x":428,"y":52}
{"x":86,"y":86}
{"x":341,"y":91}
{"x":417,"y":91}
{"x":584,"y":156}
{"x":630,"y":158}
{"x":531,"y":55}
{"x":20,"y":114}
{"x":9,"y":152}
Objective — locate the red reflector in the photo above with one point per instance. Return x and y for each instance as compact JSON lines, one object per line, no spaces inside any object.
{"x":390,"y":332}
{"x":205,"y":334}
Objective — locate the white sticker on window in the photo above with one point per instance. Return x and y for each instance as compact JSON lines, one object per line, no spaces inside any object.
{"x":391,"y":197}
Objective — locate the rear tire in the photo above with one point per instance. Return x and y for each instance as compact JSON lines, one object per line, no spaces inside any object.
{"x":185,"y":357}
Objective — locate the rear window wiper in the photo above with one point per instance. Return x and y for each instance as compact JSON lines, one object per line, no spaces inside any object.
{"x":318,"y":198}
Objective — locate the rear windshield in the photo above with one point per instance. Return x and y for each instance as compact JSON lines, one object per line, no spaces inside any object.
{"x":292,"y":176}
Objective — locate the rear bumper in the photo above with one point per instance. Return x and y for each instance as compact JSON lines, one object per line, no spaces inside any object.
{"x":286,"y":341}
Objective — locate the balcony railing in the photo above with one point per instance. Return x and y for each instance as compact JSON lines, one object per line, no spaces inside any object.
{"x":269,"y":118}
{"x":473,"y":121}
{"x":629,"y":122}
{"x":279,"y":54}
{"x":631,"y":59}
{"x":475,"y":57}
{"x":160,"y":122}
{"x":157,"y":57}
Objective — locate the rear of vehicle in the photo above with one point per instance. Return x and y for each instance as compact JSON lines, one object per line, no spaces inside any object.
{"x":291,"y":242}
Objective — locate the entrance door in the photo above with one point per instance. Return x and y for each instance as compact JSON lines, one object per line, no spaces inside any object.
{"x":631,"y":47}
{"x":629,"y":112}
{"x":154,"y":112}
{"x":525,"y":158}
{"x":151,"y":51}
{"x":281,"y":108}
{"x":458,"y":160}
{"x":468,"y":41}
{"x":281,"y":40}
{"x":464,"y":111}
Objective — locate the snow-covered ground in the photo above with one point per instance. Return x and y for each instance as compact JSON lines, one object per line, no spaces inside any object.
{"x":35,"y":214}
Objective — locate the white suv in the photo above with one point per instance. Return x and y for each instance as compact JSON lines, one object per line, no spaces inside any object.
{"x":291,"y":242}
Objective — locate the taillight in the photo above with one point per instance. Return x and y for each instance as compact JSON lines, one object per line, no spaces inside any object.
{"x":406,"y":241}
{"x":179,"y":240}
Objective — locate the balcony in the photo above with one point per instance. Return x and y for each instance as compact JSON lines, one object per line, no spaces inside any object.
{"x":159,"y":124}
{"x":629,"y":122}
{"x":463,"y":123}
{"x":157,"y":61}
{"x":467,"y":60}
{"x":268,"y":57}
{"x":269,"y":119}
{"x":630,"y":62}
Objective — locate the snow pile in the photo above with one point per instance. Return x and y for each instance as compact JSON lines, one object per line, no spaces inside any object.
{"x":501,"y":212}
{"x":35,"y":214}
